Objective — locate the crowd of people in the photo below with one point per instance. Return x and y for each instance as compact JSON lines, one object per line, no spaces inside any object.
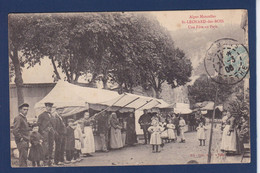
{"x":159,"y":129}
{"x":54,"y":141}
{"x":173,"y":125}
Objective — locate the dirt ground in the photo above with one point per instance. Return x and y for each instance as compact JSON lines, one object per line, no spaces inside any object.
{"x":171,"y":154}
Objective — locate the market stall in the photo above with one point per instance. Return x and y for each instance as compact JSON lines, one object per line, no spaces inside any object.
{"x":206,"y":108}
{"x":75,"y":100}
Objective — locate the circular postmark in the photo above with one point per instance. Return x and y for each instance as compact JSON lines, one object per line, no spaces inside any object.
{"x":227,"y":61}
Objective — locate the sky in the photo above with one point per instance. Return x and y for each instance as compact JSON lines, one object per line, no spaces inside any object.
{"x":194,"y":41}
{"x":172,"y":20}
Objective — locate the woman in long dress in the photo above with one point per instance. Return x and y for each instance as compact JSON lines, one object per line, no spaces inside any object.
{"x":88,"y":138}
{"x":115,"y":133}
{"x":229,"y":136}
{"x":182,"y":125}
{"x":223,"y":121}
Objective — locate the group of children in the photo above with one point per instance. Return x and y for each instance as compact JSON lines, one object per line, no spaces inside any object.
{"x":76,"y":142}
{"x":162,"y":132}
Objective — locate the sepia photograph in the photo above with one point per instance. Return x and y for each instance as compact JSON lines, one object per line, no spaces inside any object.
{"x":129,"y":88}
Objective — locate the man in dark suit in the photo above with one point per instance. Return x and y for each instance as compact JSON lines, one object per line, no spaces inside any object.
{"x":21,"y":133}
{"x":47,"y":131}
{"x":59,"y":138}
{"x":145,"y":122}
{"x":103,"y":129}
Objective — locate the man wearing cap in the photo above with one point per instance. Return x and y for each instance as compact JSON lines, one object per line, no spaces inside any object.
{"x":21,"y":133}
{"x":47,"y":131}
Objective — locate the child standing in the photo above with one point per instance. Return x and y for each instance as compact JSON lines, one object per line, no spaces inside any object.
{"x":36,"y":150}
{"x":201,"y":134}
{"x":78,"y":139}
{"x":170,"y":129}
{"x":155,"y":131}
{"x":70,"y":142}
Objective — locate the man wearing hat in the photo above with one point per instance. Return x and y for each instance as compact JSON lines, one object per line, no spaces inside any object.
{"x":145,"y":123}
{"x":21,"y":133}
{"x":47,"y":131}
{"x":60,"y":129}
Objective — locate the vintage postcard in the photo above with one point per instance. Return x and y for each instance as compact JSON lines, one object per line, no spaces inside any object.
{"x":129,"y":88}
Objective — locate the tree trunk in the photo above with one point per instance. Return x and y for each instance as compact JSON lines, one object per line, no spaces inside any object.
{"x":157,"y":94}
{"x":75,"y":81}
{"x":55,"y":68}
{"x":104,"y":80}
{"x":92,"y":82}
{"x":66,"y":72}
{"x":156,"y":87}
{"x":18,"y":76}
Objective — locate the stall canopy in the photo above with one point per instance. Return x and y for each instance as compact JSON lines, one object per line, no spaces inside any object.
{"x":164,"y":105}
{"x":74,"y":99}
{"x":182,"y":108}
{"x":208,"y":106}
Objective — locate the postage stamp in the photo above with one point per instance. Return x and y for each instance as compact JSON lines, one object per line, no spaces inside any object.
{"x":229,"y":61}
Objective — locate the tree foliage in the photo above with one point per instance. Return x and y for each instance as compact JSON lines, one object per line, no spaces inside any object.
{"x":18,"y":29}
{"x":234,"y":98}
{"x":204,"y":89}
{"x":238,"y":103}
{"x":128,"y":49}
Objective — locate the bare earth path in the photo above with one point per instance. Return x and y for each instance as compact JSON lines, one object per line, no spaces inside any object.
{"x":172,"y":153}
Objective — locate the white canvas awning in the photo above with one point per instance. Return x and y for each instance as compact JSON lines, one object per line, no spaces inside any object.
{"x":164,"y":105}
{"x":182,"y":108}
{"x":208,"y":106}
{"x":76,"y":99}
